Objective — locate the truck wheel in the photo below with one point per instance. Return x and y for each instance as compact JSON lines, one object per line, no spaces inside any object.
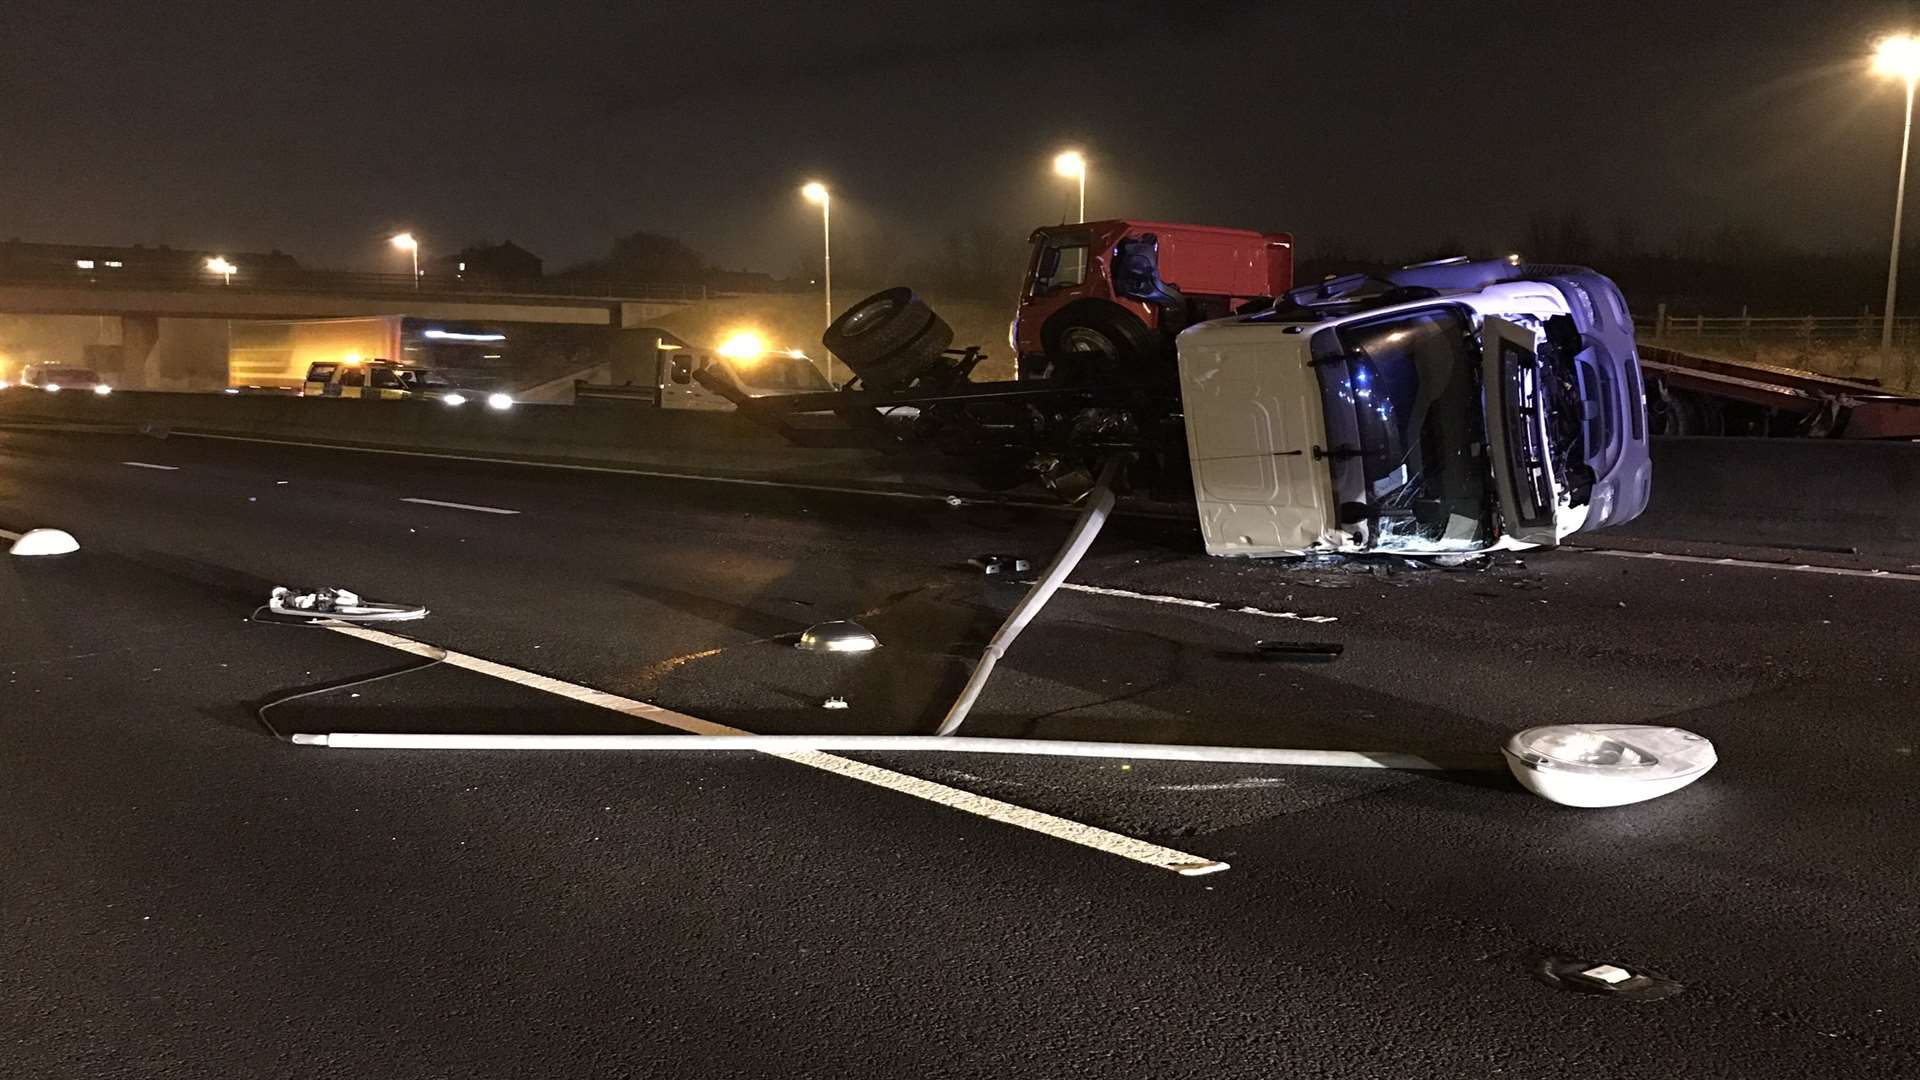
{"x":1682,"y":412}
{"x":872,"y":330}
{"x":910,"y":360}
{"x":1097,"y":341}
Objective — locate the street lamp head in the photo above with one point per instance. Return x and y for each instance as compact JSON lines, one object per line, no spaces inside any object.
{"x":815,"y":191}
{"x":405,"y":242}
{"x":1898,"y":55}
{"x":1070,"y":163}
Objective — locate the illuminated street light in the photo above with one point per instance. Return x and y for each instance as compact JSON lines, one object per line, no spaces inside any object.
{"x":406,"y":242}
{"x":1899,"y":57}
{"x":219,"y":265}
{"x":1073,"y":164}
{"x":815,"y":191}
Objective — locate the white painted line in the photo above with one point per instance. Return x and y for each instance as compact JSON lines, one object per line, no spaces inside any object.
{"x":1088,"y":836}
{"x":1208,"y":605}
{"x":1756,"y":564}
{"x":461,"y":506}
{"x":150,"y":465}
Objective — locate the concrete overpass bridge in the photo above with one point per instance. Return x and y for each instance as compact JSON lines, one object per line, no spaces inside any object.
{"x":154,"y":314}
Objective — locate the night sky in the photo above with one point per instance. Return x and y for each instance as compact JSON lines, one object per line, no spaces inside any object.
{"x":320,"y":128}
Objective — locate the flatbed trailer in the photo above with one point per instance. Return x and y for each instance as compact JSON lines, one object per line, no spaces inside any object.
{"x":1688,"y":394}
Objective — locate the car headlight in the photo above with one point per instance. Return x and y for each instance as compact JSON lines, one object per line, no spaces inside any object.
{"x":102,"y":389}
{"x":499,"y":402}
{"x":453,"y":399}
{"x":1013,"y":337}
{"x":53,"y":388}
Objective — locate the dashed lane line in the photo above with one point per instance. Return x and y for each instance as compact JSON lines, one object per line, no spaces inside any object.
{"x":462,"y":506}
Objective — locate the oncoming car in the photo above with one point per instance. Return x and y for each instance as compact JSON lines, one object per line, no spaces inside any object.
{"x":357,"y":379}
{"x":57,"y":377}
{"x":1449,"y":408}
{"x":381,"y":379}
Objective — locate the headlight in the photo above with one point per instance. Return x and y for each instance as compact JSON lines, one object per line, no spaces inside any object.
{"x":53,"y":388}
{"x":1013,"y":337}
{"x":453,"y":399}
{"x":499,"y":402}
{"x":102,"y":389}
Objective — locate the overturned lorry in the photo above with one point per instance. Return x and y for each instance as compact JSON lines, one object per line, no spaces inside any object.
{"x":1446,"y":408}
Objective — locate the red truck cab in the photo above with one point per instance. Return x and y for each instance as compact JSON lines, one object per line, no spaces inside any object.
{"x":1106,"y":297}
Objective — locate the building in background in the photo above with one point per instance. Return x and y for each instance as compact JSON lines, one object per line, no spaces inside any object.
{"x":501,"y":264}
{"x":95,"y":261}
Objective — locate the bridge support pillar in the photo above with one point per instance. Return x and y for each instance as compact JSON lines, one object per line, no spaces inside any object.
{"x":138,"y":336}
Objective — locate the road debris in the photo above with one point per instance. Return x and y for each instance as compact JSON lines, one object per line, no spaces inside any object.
{"x":1305,"y":652}
{"x":339,"y":604}
{"x":1000,"y":564}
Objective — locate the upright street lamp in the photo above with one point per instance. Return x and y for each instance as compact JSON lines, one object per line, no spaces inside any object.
{"x":219,"y":265}
{"x":1073,"y":164}
{"x":405,"y":242}
{"x":1899,"y":56}
{"x":815,"y":191}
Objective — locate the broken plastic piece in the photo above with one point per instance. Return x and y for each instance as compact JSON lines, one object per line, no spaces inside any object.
{"x":835,"y":703}
{"x":1306,"y":652}
{"x":1608,"y":974}
{"x":955,"y":500}
{"x":45,"y":542}
{"x":339,"y":604}
{"x":1000,"y":564}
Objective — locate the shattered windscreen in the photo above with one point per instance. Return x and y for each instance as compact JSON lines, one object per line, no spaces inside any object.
{"x":1414,"y":387}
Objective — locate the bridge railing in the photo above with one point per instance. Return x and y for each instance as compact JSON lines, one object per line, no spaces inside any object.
{"x":1826,"y":328}
{"x":275,"y":280}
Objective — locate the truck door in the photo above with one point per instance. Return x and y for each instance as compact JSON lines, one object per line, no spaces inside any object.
{"x":352,"y":382}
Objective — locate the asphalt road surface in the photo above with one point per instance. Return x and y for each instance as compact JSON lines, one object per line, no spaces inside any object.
{"x":183,"y":895}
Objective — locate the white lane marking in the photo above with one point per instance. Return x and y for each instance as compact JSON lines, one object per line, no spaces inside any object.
{"x":150,"y":465}
{"x":5,"y":535}
{"x":1208,"y":605}
{"x":1797,"y":568}
{"x":615,"y":470}
{"x":1074,"y":832}
{"x":461,"y":506}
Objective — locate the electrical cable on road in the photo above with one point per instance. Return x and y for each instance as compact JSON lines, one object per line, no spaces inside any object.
{"x":260,"y":713}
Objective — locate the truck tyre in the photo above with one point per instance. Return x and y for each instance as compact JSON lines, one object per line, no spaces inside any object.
{"x":1682,"y":412}
{"x":1096,"y":341}
{"x":910,"y":360}
{"x":873,"y":330}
